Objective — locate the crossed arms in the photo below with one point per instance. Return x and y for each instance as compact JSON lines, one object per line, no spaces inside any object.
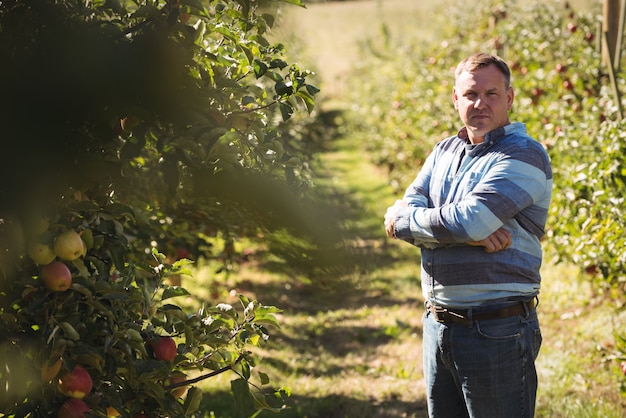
{"x":498,"y":240}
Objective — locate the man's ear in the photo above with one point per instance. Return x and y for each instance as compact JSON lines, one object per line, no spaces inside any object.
{"x":455,"y":98}
{"x":510,"y":94}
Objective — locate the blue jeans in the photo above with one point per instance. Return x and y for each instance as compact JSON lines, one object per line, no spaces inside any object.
{"x":484,"y":370}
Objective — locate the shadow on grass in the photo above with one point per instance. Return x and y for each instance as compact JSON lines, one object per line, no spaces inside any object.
{"x":333,"y":406}
{"x":295,"y":297}
{"x":321,"y":261}
{"x":335,"y":229}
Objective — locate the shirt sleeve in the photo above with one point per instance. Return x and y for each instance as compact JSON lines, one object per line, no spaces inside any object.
{"x":505,"y":189}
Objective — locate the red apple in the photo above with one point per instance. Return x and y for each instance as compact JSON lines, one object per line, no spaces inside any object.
{"x":75,"y":384}
{"x":73,"y":408}
{"x":572,"y":27}
{"x":56,"y":276}
{"x":164,"y":348}
{"x":623,"y":366}
{"x":560,"y":68}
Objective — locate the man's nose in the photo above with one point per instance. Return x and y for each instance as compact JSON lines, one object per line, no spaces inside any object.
{"x":478,"y":103}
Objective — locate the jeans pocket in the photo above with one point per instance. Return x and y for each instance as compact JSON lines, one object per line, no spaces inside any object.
{"x":498,"y":330}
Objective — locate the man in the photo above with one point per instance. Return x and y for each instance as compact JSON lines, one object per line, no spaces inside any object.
{"x":477,"y":209}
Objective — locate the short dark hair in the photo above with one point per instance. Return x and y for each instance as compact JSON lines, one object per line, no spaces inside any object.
{"x":481,"y":60}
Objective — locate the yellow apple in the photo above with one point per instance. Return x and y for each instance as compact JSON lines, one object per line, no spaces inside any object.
{"x":40,"y":253}
{"x":69,"y":246}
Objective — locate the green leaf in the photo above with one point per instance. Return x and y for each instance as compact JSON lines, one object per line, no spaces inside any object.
{"x":245,"y":369}
{"x":285,"y":110}
{"x":260,"y":68}
{"x":69,"y":332}
{"x":307,"y":99}
{"x":312,"y":90}
{"x":296,"y":2}
{"x":192,"y":401}
{"x":274,"y":76}
{"x":172,"y":292}
{"x":264,"y":315}
{"x":264,"y":378}
{"x":189,"y":336}
{"x":243,"y":399}
{"x":278,"y":63}
{"x":248,"y":53}
{"x":269,"y":19}
{"x":283,"y":89}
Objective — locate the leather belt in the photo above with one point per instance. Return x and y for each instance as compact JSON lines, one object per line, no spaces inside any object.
{"x":463,"y":316}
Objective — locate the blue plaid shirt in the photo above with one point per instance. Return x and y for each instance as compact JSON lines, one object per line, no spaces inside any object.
{"x":465,"y":192}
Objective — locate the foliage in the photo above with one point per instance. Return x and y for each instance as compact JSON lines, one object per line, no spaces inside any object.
{"x":153,"y":129}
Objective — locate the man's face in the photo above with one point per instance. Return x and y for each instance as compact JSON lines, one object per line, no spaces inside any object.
{"x":483,"y":101}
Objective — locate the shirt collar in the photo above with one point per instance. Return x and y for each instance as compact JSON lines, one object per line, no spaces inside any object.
{"x":492,"y":136}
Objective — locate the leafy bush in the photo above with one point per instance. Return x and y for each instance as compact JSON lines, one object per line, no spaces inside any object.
{"x":136,"y":133}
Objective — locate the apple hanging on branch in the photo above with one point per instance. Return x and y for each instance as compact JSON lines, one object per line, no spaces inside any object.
{"x":164,"y":348}
{"x":56,"y":276}
{"x":69,"y":246}
{"x":73,"y":408}
{"x":76,"y":383}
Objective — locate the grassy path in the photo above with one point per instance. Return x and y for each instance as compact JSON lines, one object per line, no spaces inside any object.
{"x":350,"y":344}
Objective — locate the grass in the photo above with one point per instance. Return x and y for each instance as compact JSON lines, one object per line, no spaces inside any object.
{"x":351,"y":347}
{"x":350,"y":342}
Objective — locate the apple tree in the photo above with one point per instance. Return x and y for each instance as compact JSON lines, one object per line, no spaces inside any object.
{"x":131,"y":129}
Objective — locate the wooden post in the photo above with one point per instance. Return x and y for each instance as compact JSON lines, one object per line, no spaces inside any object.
{"x":617,"y":58}
{"x":611,"y":12}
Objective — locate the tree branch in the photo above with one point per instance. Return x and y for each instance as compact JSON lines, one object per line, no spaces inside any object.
{"x":204,"y":376}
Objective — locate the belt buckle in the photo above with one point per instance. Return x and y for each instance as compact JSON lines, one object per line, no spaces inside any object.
{"x":440,"y":313}
{"x":443,"y":314}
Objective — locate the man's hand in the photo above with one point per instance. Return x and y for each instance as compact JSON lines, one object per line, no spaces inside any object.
{"x":390,"y":216}
{"x":499,"y":240}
